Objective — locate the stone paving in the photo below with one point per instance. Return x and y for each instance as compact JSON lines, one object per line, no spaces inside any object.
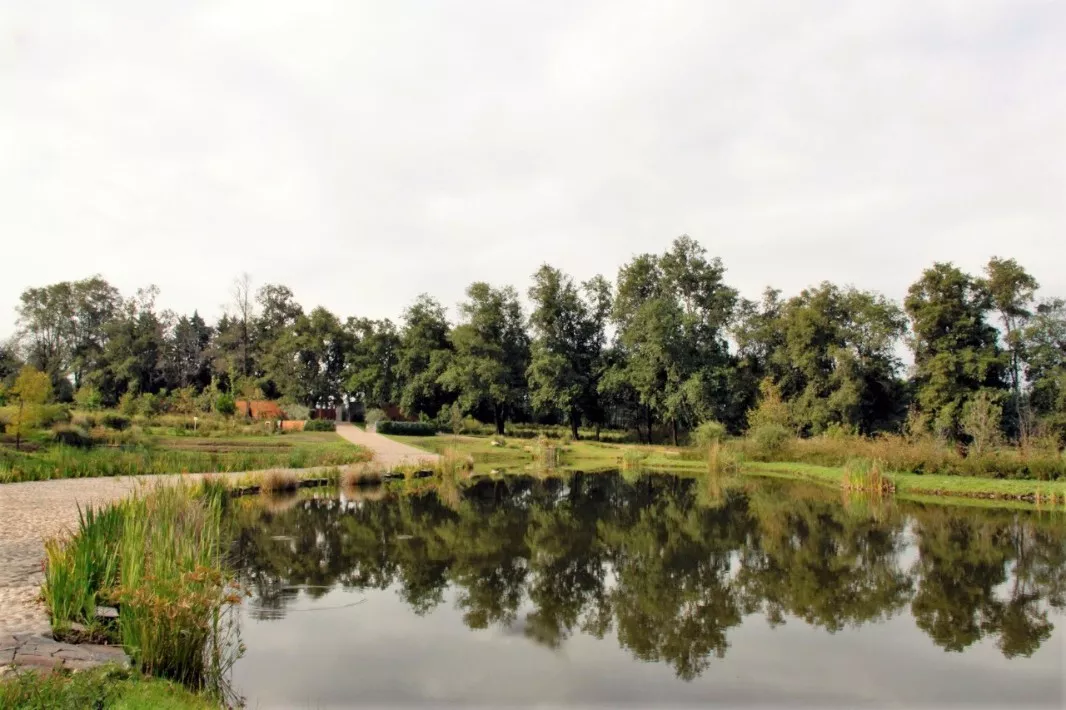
{"x":42,"y":653}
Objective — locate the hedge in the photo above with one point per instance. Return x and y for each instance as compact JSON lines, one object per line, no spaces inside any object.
{"x":407,"y":428}
{"x":320,"y":425}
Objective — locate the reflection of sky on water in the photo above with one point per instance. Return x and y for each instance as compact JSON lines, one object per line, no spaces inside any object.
{"x":379,"y":652}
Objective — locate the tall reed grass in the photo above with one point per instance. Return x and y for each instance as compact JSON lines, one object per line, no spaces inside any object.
{"x":866,"y":475}
{"x":158,"y":557}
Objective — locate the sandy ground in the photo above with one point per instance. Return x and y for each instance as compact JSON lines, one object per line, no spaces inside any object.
{"x":386,"y":451}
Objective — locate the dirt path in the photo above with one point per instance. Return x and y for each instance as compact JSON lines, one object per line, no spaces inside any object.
{"x":387,"y":452}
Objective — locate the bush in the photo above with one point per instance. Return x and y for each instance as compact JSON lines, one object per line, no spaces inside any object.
{"x":320,"y":425}
{"x":296,"y":412}
{"x":708,"y":433}
{"x":68,"y":435}
{"x":149,"y":404}
{"x":88,"y":397}
{"x":85,"y":421}
{"x":407,"y":428}
{"x":117,"y":422}
{"x":374,"y":416}
{"x":770,"y":440}
{"x":127,"y":404}
{"x":225,"y":405}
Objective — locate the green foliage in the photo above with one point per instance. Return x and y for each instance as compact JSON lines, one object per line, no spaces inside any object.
{"x":708,"y":433}
{"x":424,"y":354}
{"x":107,"y":687}
{"x":982,"y":420}
{"x":30,"y":391}
{"x":320,"y":425}
{"x":296,"y":412}
{"x":88,"y":398}
{"x":771,"y":440}
{"x":956,"y":351}
{"x":771,"y":410}
{"x":118,"y":422}
{"x":491,"y":356}
{"x":374,"y":416}
{"x":407,"y":428}
{"x":226,"y":405}
{"x":127,"y":404}
{"x":74,"y":436}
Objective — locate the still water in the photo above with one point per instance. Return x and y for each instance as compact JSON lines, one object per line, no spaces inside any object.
{"x":603,"y":590}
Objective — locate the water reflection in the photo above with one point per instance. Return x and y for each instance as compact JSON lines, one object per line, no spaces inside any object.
{"x":665,"y":565}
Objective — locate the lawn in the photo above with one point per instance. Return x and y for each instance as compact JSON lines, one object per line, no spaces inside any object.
{"x":181,"y":454}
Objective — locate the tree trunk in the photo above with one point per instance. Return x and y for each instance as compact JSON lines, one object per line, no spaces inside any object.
{"x":573,"y":425}
{"x":647,"y":420}
{"x":673,"y":427}
{"x":498,"y":415}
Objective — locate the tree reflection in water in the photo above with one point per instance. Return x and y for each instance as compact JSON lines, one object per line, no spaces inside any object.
{"x":666,"y":564}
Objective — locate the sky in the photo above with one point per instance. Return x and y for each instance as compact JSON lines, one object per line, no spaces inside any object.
{"x":364,"y":152}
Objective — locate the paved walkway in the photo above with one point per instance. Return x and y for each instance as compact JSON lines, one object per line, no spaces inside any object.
{"x":387,"y":452}
{"x":35,"y":511}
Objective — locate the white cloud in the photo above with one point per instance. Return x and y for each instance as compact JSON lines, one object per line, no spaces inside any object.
{"x":364,"y":152}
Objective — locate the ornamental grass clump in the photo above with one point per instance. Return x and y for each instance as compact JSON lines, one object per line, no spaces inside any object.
{"x":158,"y":557}
{"x":866,"y":475}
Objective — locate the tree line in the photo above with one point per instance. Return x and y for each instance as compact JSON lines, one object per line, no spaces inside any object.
{"x":666,"y":345}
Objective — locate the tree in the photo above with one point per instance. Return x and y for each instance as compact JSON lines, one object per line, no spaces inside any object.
{"x":832,"y":353}
{"x":568,"y":341}
{"x":63,"y":326}
{"x":31,"y":389}
{"x":491,"y":353}
{"x":1012,"y":290}
{"x":132,"y":360}
{"x":1044,"y":345}
{"x":370,"y":362}
{"x":278,"y":315}
{"x":423,"y":355}
{"x":186,"y":361}
{"x":956,"y":351}
{"x":671,"y":312}
{"x":10,"y":363}
{"x":243,"y":305}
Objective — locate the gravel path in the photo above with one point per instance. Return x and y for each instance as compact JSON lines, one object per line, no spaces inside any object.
{"x":387,"y":452}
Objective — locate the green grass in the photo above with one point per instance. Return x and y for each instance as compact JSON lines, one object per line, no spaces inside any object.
{"x":520,"y":455}
{"x":918,"y":484}
{"x":158,"y":557}
{"x":181,"y":455}
{"x":107,"y":687}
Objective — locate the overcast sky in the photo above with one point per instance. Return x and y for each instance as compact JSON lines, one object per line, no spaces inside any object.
{"x":363,"y":152}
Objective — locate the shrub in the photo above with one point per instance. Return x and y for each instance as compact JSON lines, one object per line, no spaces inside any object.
{"x":320,"y":425}
{"x":127,"y":404}
{"x":296,"y":412}
{"x":406,"y":428}
{"x":225,"y":405}
{"x":89,"y":398}
{"x":69,"y":435}
{"x":770,"y":440}
{"x":149,"y":404}
{"x":708,"y":433}
{"x":117,"y":422}
{"x":374,"y":416}
{"x":981,"y":420}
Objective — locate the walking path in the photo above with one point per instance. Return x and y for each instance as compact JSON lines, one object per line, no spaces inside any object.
{"x":387,"y":452}
{"x":35,"y":511}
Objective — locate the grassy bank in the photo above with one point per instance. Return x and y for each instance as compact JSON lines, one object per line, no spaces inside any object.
{"x":923,"y":484}
{"x":100,"y":688}
{"x":180,"y":455}
{"x":157,"y":557}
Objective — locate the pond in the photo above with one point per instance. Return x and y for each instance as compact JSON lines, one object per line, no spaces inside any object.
{"x":654,"y":590}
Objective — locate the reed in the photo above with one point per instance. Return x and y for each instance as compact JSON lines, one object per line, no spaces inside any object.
{"x":866,"y":475}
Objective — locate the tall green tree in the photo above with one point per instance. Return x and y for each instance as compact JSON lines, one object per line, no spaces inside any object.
{"x":956,"y":350}
{"x":567,"y":347}
{"x":424,"y":354}
{"x":1012,"y":290}
{"x":1044,"y":343}
{"x":31,"y":389}
{"x":186,"y":361}
{"x":671,"y":312}
{"x":278,"y":315}
{"x":133,"y":359}
{"x":63,"y":326}
{"x":370,"y":364}
{"x":831,"y":351}
{"x":488,"y":369}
